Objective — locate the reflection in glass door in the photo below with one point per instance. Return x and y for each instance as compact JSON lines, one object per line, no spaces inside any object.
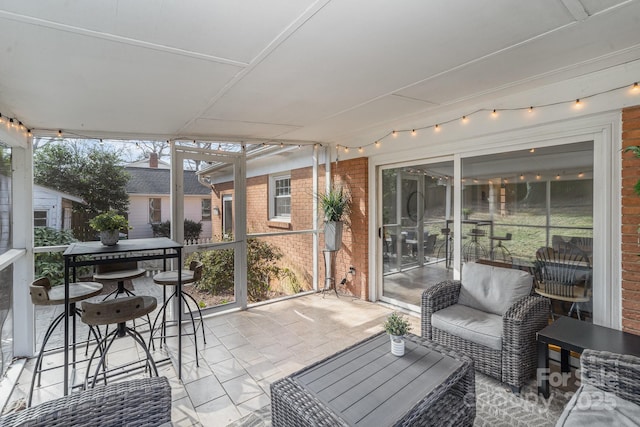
{"x":416,"y":242}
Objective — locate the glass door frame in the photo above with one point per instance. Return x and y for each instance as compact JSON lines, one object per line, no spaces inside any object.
{"x":379,"y":225}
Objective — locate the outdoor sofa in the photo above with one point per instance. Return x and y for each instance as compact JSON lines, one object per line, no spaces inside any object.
{"x":490,"y":316}
{"x":609,"y":394}
{"x":142,"y":402}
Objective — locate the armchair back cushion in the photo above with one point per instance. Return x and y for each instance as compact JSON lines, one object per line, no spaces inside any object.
{"x":493,"y":289}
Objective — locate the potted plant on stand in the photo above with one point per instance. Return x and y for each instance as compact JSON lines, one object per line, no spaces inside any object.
{"x":109,"y":224}
{"x":335,"y":205}
{"x":397,"y":327}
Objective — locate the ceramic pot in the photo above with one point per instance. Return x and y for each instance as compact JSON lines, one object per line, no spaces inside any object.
{"x":109,"y":237}
{"x":333,"y":235}
{"x":397,"y":345}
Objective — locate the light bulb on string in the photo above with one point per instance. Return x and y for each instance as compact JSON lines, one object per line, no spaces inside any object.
{"x":29,"y":132}
{"x":532,"y":150}
{"x":635,"y":87}
{"x":558,"y":176}
{"x":531,"y":109}
{"x":578,"y":104}
{"x":494,"y":113}
{"x":413,"y":132}
{"x":394,"y":134}
{"x":521,"y":177}
{"x":360,"y":150}
{"x":11,"y":124}
{"x":580,"y":174}
{"x":538,"y":176}
{"x":1,"y":118}
{"x":436,"y":128}
{"x":464,"y":119}
{"x":20,"y":125}
{"x":377,"y":144}
{"x":346,"y":149}
{"x":60,"y":133}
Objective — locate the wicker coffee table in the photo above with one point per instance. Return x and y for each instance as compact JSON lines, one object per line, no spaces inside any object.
{"x":365,"y":385}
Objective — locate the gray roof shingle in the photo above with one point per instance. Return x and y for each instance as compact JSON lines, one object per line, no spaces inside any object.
{"x":157,"y":181}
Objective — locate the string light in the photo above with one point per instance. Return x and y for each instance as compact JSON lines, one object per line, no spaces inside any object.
{"x":578,"y":104}
{"x":538,"y":176}
{"x":59,"y":133}
{"x":394,"y":133}
{"x":360,"y":149}
{"x":531,"y":109}
{"x":436,"y":128}
{"x":635,"y":87}
{"x":1,"y":119}
{"x":464,"y":119}
{"x":377,"y":144}
{"x":494,"y":113}
{"x":413,"y":132}
{"x":346,"y":149}
{"x":532,"y":150}
{"x":580,"y":174}
{"x":11,"y":123}
{"x":29,"y":132}
{"x":521,"y":176}
{"x":558,"y":176}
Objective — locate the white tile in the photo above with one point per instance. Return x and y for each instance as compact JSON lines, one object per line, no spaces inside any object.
{"x":218,"y":412}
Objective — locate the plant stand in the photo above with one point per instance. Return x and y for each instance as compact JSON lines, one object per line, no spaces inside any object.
{"x":329,"y":272}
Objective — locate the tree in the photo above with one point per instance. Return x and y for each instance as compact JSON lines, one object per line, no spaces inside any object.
{"x":89,"y":171}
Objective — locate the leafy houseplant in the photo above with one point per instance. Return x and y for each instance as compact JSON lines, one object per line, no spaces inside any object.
{"x":109,"y":224}
{"x":397,"y":327}
{"x":466,"y":212}
{"x":335,"y":204}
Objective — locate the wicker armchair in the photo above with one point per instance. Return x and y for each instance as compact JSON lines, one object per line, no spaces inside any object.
{"x":609,"y":393}
{"x":516,"y":361}
{"x":143,"y":402}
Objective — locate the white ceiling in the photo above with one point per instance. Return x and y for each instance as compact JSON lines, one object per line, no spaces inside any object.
{"x":337,"y":71}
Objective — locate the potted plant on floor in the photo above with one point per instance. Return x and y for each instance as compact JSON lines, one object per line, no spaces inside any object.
{"x":397,"y":327}
{"x":335,"y":205}
{"x":109,"y":224}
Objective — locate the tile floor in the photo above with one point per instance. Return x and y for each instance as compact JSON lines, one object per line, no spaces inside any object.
{"x":245,"y":352}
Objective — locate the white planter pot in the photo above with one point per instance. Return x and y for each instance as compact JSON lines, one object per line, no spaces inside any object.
{"x":333,"y":235}
{"x":397,"y":345}
{"x":109,"y":237}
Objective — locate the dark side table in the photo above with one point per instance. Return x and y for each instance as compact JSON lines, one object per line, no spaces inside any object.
{"x":574,"y":335}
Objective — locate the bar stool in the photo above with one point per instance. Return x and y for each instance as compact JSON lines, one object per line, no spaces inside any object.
{"x":117,"y":311}
{"x":170,"y":278}
{"x":446,"y":246}
{"x":473,"y":248}
{"x":504,"y":252}
{"x":43,"y":294}
{"x":119,"y":272}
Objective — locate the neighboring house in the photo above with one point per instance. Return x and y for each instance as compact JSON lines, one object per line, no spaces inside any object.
{"x":52,"y":208}
{"x":148,"y":190}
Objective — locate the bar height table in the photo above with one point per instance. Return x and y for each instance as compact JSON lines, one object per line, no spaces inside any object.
{"x":84,"y":253}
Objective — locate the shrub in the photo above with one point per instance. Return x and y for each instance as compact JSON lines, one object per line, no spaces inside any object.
{"x":51,"y":264}
{"x":262,"y":268}
{"x":192,"y":229}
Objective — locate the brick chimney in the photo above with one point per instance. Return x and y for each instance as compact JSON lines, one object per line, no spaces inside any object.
{"x":153,"y":160}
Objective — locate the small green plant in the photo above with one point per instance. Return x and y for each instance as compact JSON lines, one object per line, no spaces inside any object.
{"x":202,"y":304}
{"x":335,"y":203}
{"x":467,"y":211}
{"x":396,"y":325}
{"x":110,"y":220}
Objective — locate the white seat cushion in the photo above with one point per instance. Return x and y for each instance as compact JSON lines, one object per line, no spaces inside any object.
{"x":493,"y":289}
{"x":470,"y":324}
{"x":591,"y":406}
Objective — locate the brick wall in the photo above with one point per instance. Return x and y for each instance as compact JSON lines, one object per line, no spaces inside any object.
{"x":297,"y":249}
{"x":630,"y":223}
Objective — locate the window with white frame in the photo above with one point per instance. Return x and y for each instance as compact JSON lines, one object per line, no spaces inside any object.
{"x":206,"y":209}
{"x":280,"y":197}
{"x":155,"y":211}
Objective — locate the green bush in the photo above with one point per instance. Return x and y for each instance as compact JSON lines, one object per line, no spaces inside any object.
{"x":51,"y":264}
{"x":192,"y":229}
{"x":262,"y":268}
